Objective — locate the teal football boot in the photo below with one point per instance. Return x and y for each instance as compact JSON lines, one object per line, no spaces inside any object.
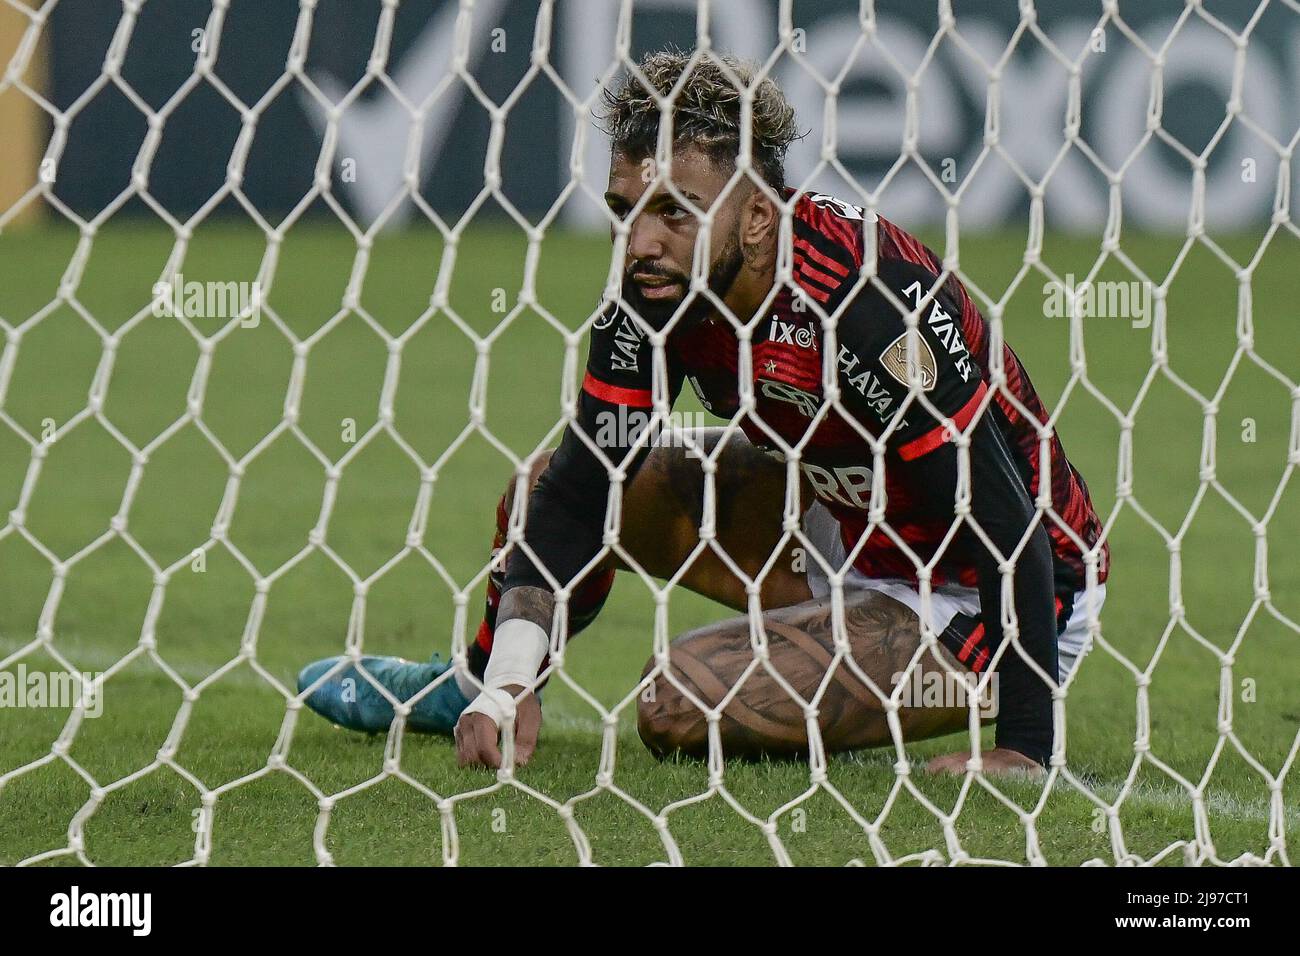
{"x":346,"y":698}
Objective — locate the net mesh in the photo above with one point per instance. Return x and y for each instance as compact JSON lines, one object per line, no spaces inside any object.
{"x":1197,"y":848}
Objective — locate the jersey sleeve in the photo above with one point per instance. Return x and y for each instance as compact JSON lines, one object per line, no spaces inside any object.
{"x":620,"y":362}
{"x":873,"y":342}
{"x":873,"y":373}
{"x":566,"y":510}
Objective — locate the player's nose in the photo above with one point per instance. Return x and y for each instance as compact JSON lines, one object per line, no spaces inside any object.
{"x":644,"y":241}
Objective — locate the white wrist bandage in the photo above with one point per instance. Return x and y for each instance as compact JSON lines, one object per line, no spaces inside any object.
{"x":496,"y":703}
{"x":518,"y":649}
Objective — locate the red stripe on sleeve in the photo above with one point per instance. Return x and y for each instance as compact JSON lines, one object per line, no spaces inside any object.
{"x":935,"y":436}
{"x":616,"y":395}
{"x":812,"y":290}
{"x":807,"y":248}
{"x":912,"y":251}
{"x":812,"y":272}
{"x":975,"y":637}
{"x":843,"y":230}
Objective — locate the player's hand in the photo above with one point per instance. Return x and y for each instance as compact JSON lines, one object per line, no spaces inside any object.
{"x":477,"y":734}
{"x":998,"y":762}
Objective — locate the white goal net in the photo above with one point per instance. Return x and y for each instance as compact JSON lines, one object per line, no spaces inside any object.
{"x":1161,"y":752}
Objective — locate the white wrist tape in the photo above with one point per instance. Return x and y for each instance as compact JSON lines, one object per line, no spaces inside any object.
{"x":518,"y":649}
{"x":497,"y":704}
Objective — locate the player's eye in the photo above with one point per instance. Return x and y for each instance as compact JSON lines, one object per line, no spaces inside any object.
{"x":674,"y":212}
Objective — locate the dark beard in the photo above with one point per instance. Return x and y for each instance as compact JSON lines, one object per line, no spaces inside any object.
{"x":722,"y":275}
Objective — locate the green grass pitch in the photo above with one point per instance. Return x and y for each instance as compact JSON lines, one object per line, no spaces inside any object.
{"x":234,"y":722}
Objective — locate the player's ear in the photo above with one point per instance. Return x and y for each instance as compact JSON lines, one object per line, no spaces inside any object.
{"x":758,"y":220}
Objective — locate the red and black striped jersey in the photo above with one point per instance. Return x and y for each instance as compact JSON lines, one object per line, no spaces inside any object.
{"x":831,"y":324}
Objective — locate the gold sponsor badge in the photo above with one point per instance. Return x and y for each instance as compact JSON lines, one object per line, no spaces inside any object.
{"x":894,"y":359}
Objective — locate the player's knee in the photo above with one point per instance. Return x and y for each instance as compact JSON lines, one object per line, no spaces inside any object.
{"x":667,"y":720}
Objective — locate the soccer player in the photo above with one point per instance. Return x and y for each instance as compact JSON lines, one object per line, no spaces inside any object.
{"x":827,"y":390}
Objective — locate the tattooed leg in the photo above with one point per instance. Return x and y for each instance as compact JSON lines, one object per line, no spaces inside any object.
{"x":762,"y":718}
{"x":662,"y":513}
{"x":664,"y":508}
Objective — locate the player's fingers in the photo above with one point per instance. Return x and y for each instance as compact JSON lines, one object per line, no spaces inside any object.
{"x":489,"y":754}
{"x":486,"y":753}
{"x":462,"y":737}
{"x":527,"y":727}
{"x":476,"y":742}
{"x":467,"y":748}
{"x":525,"y":744}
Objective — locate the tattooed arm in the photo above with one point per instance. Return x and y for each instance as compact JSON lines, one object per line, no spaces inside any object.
{"x":564,"y":529}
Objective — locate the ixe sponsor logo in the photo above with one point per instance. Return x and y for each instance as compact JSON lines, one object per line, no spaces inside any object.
{"x":947,"y":689}
{"x":76,"y":909}
{"x":57,"y":689}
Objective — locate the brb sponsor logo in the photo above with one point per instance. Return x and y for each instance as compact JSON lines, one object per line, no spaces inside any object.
{"x":73,"y":909}
{"x":849,"y":485}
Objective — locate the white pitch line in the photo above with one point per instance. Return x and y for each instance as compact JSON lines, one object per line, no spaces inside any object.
{"x":1217,"y":804}
{"x":100,"y":659}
